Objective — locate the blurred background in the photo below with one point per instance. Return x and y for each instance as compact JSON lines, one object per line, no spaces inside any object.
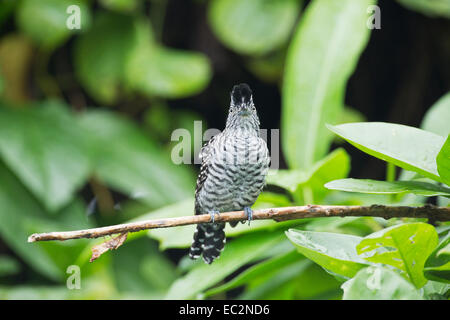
{"x":87,"y":115}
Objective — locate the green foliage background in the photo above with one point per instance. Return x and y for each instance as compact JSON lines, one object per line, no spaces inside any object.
{"x":56,"y":152}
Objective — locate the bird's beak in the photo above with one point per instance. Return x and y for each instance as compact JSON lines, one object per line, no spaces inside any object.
{"x":245,"y":111}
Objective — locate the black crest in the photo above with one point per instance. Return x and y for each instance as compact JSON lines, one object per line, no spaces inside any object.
{"x":241,"y":93}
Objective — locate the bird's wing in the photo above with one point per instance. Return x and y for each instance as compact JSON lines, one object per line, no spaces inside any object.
{"x":205,"y":155}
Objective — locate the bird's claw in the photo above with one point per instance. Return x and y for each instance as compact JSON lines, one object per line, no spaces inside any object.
{"x":249,"y":213}
{"x":212,"y":213}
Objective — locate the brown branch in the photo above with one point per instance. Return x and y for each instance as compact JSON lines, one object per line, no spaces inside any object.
{"x":277,"y":214}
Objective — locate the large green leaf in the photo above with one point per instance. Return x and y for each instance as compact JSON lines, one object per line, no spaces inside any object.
{"x":100,"y":55}
{"x":387,"y":187}
{"x":158,"y":71}
{"x":432,"y":8}
{"x":436,"y":118}
{"x":405,"y":247}
{"x":321,"y":57}
{"x":21,"y":215}
{"x":8,"y":265}
{"x":336,"y":164}
{"x":333,"y":251}
{"x":236,"y":254}
{"x":45,"y":20}
{"x":407,"y":147}
{"x":46,"y":149}
{"x":443,"y":162}
{"x":169,"y":73}
{"x":269,"y":266}
{"x":129,"y":161}
{"x":140,"y":268}
{"x":437,"y":266}
{"x":253,"y":27}
{"x":377,"y":283}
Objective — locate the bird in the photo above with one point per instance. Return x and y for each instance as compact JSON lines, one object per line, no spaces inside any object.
{"x":234,"y":166}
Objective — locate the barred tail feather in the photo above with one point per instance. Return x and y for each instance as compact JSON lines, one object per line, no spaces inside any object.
{"x":209,"y":241}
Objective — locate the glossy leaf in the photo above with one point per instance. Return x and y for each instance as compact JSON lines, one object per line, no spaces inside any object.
{"x":253,"y":27}
{"x":407,"y":147}
{"x":332,"y":251}
{"x":437,"y":266}
{"x":130,"y":162}
{"x":386,"y":187}
{"x":443,"y":162}
{"x":317,"y":70}
{"x":378,"y":283}
{"x":237,"y":253}
{"x":47,"y":150}
{"x":404,"y":246}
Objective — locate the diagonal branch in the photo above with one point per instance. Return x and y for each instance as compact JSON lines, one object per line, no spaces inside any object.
{"x":278,"y":214}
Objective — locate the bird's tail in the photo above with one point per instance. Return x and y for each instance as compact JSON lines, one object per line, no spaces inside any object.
{"x":209,"y":240}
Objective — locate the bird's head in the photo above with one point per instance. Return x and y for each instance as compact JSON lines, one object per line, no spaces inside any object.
{"x":242,"y":109}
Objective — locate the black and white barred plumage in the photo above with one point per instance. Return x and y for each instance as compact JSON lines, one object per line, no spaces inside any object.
{"x":232,"y":175}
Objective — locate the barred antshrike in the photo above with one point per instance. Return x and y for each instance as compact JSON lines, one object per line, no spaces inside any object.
{"x":233,"y":171}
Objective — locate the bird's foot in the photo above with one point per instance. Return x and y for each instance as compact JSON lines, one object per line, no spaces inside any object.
{"x":212,"y":213}
{"x":249,"y":214}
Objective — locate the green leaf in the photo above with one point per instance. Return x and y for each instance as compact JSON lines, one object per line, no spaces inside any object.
{"x":437,"y":266}
{"x":46,"y":149}
{"x":349,"y":115}
{"x":8,"y":266}
{"x":404,"y":246}
{"x":436,"y":118}
{"x":157,"y":71}
{"x":333,"y":251}
{"x":140,"y":268}
{"x":21,"y":215}
{"x":6,"y":8}
{"x":45,"y":20}
{"x":280,"y":283}
{"x":443,"y":162}
{"x":130,"y":162}
{"x":236,"y":254}
{"x":121,"y":5}
{"x":377,"y":283}
{"x":100,"y":55}
{"x":269,"y":266}
{"x":169,"y":73}
{"x":253,"y":27}
{"x":436,"y":290}
{"x":386,"y":187}
{"x":333,"y":166}
{"x":432,"y":8}
{"x":321,"y":57}
{"x":407,"y":147}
